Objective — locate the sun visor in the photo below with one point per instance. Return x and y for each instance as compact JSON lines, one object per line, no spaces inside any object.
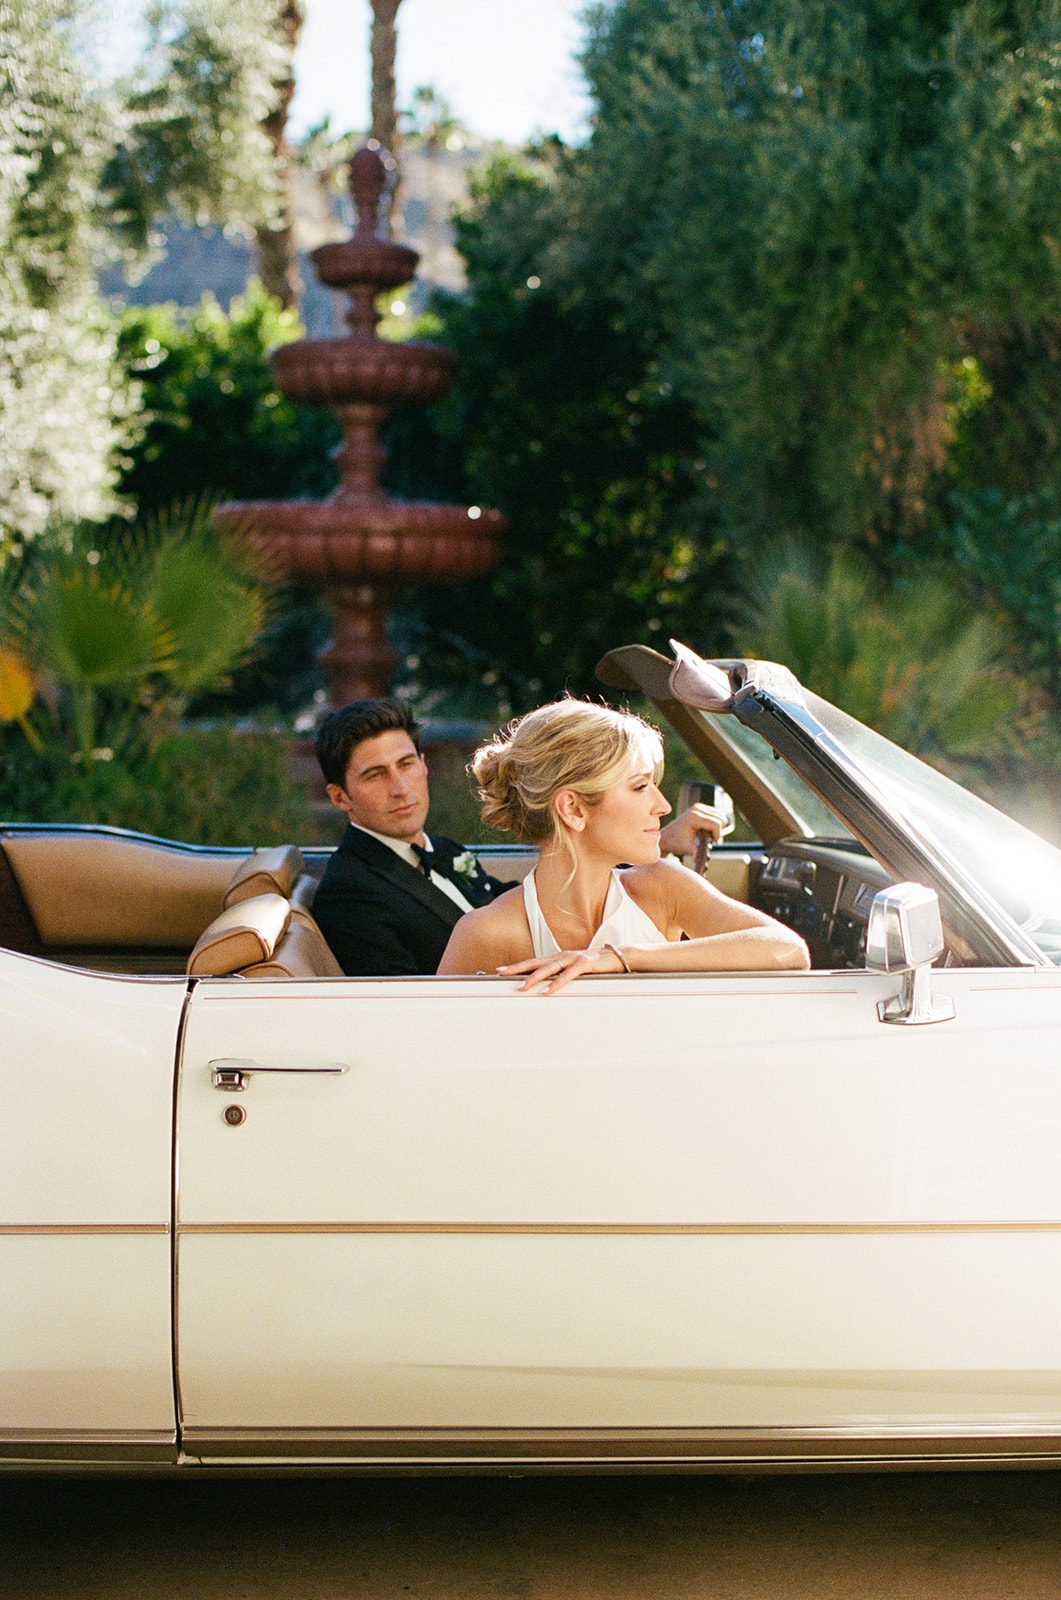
{"x":698,"y":683}
{"x":718,"y":686}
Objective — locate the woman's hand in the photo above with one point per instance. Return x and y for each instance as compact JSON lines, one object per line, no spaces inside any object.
{"x":563,"y":968}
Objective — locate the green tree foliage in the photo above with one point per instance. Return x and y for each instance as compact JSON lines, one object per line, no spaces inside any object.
{"x":191,"y":136}
{"x":215,"y":424}
{"x":64,"y":402}
{"x":123,"y":629}
{"x":1006,"y":550}
{"x":560,"y":418}
{"x":821,"y":208}
{"x":202,"y":784}
{"x":912,"y":663}
{"x":215,"y":427}
{"x":80,"y":162}
{"x":802,"y":279}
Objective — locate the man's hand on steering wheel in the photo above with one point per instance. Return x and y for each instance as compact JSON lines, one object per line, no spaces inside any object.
{"x":681,"y":835}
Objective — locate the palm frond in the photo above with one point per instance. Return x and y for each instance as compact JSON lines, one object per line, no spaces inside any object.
{"x":910,"y":662}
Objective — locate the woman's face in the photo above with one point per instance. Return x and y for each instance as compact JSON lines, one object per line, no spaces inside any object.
{"x":624,"y":824}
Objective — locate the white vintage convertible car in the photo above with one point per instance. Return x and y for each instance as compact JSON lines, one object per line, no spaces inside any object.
{"x":254,"y":1213}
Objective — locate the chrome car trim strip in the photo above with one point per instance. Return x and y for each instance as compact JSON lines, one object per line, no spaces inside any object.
{"x":17,"y":1229}
{"x":633,"y":1447}
{"x":1039,"y":1226}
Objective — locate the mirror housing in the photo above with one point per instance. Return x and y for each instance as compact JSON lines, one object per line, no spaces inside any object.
{"x":905,"y":935}
{"x":904,"y":930}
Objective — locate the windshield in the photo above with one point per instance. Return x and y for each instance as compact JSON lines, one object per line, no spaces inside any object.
{"x":817,"y":820}
{"x":1020,"y":870}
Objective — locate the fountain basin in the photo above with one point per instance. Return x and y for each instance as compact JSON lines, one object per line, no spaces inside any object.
{"x":367,"y":260}
{"x":382,"y":541}
{"x":377,"y":371}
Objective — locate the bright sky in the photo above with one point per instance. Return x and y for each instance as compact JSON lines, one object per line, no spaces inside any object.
{"x":507,"y":67}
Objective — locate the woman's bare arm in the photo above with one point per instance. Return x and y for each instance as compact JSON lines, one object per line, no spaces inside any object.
{"x":720,"y":934}
{"x":752,"y":949}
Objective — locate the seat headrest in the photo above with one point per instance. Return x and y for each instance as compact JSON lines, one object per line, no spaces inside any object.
{"x":303,"y":952}
{"x":243,"y":934}
{"x":272,"y":871}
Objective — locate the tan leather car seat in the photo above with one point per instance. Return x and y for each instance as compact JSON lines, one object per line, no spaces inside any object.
{"x":263,"y":937}
{"x":272,"y":871}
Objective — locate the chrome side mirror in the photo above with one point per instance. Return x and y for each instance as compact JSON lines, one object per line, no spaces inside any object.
{"x":905,"y":935}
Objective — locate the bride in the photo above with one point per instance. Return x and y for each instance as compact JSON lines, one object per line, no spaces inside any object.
{"x":580,"y":781}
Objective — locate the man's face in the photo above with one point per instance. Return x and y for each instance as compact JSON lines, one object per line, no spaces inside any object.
{"x":385,"y":788}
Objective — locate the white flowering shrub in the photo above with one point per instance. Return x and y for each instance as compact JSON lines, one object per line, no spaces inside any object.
{"x":66,"y":411}
{"x":65,"y":408}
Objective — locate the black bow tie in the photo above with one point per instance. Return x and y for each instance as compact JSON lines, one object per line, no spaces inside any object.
{"x":436,"y":859}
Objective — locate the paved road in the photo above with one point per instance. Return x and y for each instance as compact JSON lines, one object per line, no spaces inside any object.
{"x":953,"y":1537}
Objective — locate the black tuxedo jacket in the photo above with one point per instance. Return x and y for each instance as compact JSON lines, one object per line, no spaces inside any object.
{"x":384,"y":918}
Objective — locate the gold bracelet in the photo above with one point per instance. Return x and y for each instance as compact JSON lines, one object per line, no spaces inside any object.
{"x":622,"y":959}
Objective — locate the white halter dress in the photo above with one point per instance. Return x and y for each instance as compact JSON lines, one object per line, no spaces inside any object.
{"x":624,"y":921}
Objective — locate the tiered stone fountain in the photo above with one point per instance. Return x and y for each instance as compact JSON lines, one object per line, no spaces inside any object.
{"x":360,"y":545}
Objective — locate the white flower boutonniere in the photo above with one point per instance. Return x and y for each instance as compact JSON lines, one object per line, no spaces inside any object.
{"x":465,"y":866}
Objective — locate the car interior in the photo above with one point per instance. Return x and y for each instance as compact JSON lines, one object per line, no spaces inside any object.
{"x":120,"y":902}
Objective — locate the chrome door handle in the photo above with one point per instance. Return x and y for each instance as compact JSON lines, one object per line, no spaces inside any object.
{"x":230,"y":1072}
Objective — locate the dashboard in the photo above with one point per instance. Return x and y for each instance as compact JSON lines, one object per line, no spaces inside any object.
{"x":823,"y":890}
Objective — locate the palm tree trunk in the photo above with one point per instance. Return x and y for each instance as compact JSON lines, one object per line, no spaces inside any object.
{"x":277,"y":258}
{"x":384,"y":129}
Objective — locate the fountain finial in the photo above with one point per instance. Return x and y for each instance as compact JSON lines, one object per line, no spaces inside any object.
{"x":367,"y":179}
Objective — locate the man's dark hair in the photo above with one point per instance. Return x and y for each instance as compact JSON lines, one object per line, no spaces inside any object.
{"x":341,"y":732}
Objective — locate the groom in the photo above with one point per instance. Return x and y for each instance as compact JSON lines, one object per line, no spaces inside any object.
{"x":389,"y":896}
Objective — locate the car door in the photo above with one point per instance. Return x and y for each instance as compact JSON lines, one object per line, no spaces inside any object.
{"x":87,"y":1064}
{"x":655,"y":1218}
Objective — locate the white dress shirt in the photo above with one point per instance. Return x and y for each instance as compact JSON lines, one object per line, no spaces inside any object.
{"x":403,"y":848}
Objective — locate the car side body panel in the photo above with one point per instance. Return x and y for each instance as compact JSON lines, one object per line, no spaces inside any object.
{"x":86,"y":1091}
{"x":654,"y":1219}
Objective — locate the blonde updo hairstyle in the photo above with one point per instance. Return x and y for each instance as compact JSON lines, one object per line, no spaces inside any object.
{"x":570,"y":744}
